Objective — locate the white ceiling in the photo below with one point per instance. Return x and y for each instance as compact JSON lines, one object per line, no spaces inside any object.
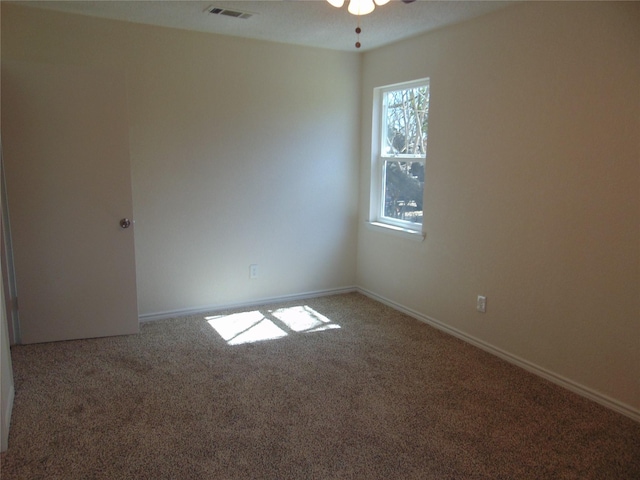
{"x":301,"y":22}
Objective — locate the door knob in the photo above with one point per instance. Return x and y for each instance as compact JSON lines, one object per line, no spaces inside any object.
{"x":125,"y":223}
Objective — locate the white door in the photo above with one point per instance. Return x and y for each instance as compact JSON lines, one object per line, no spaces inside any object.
{"x":66,"y":158}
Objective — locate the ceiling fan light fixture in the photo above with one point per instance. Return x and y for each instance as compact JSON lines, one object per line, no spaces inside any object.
{"x":361,"y":7}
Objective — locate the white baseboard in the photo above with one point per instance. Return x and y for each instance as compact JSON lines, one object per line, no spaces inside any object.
{"x":150,"y":317}
{"x":6,"y":421}
{"x":589,"y":393}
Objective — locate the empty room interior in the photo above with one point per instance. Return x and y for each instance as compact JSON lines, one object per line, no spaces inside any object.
{"x":241,"y":169}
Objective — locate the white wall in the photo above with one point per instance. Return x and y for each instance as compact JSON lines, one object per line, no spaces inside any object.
{"x":532,"y":188}
{"x":243,"y":152}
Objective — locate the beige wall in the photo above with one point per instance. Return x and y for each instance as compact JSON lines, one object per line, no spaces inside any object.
{"x":532,"y":188}
{"x":242,"y":152}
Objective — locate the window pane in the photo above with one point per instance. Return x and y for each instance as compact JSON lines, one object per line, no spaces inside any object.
{"x":405,"y":122}
{"x":403,"y":188}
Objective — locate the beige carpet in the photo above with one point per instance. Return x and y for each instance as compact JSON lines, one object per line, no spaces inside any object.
{"x":381,"y":397}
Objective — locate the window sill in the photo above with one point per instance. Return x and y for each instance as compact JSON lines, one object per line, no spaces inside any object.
{"x":415,"y":235}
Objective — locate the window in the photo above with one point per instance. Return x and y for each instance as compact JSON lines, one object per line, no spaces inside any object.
{"x":399,"y":149}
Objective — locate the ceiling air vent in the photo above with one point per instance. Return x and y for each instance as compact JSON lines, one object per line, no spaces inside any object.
{"x":229,"y":13}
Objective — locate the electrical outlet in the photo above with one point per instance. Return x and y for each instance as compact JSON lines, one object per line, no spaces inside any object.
{"x":253,"y":270}
{"x":481,"y":304}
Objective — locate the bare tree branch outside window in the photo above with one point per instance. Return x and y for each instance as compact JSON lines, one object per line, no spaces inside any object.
{"x":405,"y":127}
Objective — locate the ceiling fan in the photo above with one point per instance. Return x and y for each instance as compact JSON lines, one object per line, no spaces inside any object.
{"x":362,"y":7}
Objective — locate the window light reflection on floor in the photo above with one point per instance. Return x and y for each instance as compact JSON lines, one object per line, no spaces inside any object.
{"x":257,"y":325}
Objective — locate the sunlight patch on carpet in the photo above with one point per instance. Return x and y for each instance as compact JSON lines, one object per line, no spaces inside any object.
{"x":256,"y":326}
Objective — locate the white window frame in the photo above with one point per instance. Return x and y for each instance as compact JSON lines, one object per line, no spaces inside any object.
{"x":377,"y":221}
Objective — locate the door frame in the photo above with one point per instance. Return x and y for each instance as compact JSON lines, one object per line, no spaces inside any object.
{"x":8,"y":272}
